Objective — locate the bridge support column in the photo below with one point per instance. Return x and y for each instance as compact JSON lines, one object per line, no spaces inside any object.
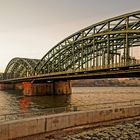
{"x":4,"y":86}
{"x":34,"y":89}
{"x":19,"y":86}
{"x":30,"y":89}
{"x":62,"y":87}
{"x":51,"y":88}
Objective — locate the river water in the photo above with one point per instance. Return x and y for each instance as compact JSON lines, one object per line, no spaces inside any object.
{"x":14,"y":101}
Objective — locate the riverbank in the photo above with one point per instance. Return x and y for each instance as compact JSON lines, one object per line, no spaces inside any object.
{"x":38,"y":128}
{"x":129,"y":130}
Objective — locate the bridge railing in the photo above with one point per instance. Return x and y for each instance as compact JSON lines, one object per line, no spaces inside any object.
{"x":23,"y":115}
{"x":102,"y":67}
{"x":109,"y":66}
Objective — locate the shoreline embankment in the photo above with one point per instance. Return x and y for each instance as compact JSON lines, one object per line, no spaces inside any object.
{"x":38,"y":128}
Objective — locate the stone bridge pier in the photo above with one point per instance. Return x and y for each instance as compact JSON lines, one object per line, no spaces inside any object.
{"x":49,"y":88}
{"x":7,"y":86}
{"x":44,"y":88}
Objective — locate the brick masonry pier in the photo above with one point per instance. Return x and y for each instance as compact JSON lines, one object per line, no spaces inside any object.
{"x":33,"y":89}
{"x":4,"y":86}
{"x":36,"y":128}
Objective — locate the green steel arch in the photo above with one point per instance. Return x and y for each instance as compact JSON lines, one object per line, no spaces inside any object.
{"x":20,"y":67}
{"x":107,"y":42}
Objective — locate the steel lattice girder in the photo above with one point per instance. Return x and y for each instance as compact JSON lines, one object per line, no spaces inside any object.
{"x":20,"y":67}
{"x":95,"y":45}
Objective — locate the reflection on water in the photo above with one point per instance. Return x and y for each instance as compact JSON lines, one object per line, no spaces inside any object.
{"x":13,"y":101}
{"x":24,"y":103}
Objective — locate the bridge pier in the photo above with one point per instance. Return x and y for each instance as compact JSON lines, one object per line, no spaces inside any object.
{"x":18,"y":86}
{"x":31,"y":89}
{"x":4,"y":86}
{"x":50,"y":88}
{"x":62,"y":87}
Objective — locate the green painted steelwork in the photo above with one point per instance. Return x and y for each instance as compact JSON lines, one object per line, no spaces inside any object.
{"x":103,"y":44}
{"x":20,"y":67}
{"x":107,"y":42}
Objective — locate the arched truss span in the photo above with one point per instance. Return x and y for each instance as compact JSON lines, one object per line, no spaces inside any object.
{"x":107,"y":42}
{"x":20,"y":67}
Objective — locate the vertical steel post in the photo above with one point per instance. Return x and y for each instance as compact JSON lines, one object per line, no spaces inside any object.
{"x":127,"y":57}
{"x":93,"y":47}
{"x":82,"y":52}
{"x":108,"y":45}
{"x":96,"y":55}
{"x":73,"y":57}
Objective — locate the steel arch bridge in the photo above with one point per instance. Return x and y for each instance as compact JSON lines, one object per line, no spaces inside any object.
{"x":20,"y":67}
{"x":104,"y":44}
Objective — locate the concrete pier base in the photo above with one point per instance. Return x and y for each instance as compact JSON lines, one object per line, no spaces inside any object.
{"x":32,"y":89}
{"x":19,"y":86}
{"x":62,"y":87}
{"x":57,"y":88}
{"x":4,"y":86}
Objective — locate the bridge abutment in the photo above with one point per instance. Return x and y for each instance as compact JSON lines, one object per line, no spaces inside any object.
{"x":50,"y":88}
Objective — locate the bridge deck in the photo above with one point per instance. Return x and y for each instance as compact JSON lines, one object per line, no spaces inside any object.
{"x":108,"y":71}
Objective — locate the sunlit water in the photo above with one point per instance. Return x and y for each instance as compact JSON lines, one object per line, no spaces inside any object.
{"x":13,"y":101}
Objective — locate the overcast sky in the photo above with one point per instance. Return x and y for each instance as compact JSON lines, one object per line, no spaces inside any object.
{"x":30,"y":28}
